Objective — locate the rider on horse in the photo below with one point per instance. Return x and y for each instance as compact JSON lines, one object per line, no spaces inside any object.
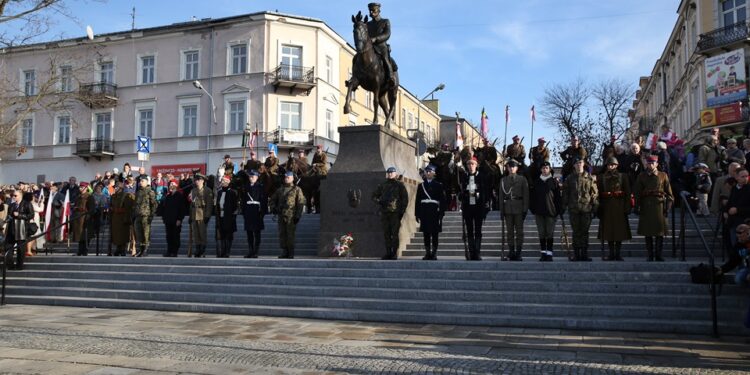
{"x":380,"y":31}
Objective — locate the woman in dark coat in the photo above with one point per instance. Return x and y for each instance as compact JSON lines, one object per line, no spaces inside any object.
{"x":429,"y":209}
{"x":226,"y":217}
{"x":546,"y":205}
{"x":254,"y":208}
{"x":20,"y":212}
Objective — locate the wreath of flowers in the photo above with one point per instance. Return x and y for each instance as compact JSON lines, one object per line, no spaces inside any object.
{"x":342,"y":246}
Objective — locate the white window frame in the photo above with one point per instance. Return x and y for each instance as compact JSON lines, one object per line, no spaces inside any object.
{"x":329,"y":124}
{"x":411,"y":121}
{"x":228,"y":99}
{"x":301,"y":112}
{"x":230,"y":57}
{"x":188,"y":102}
{"x":141,"y":67}
{"x":733,"y":10}
{"x":22,"y":131}
{"x":28,"y":91}
{"x":144,"y":106}
{"x":56,"y":134}
{"x":62,"y":83}
{"x":329,"y":69}
{"x":403,"y":117}
{"x":98,"y":71}
{"x":111,"y":113}
{"x":183,"y":64}
{"x":291,"y":74}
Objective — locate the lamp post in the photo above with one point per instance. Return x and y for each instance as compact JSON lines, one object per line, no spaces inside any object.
{"x":419,"y":108}
{"x":198,"y":86}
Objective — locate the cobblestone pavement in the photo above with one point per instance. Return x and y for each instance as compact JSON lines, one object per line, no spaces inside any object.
{"x":63,"y":340}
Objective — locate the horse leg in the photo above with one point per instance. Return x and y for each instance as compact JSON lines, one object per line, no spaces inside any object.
{"x":351,"y":86}
{"x":383,"y":103}
{"x":375,"y":99}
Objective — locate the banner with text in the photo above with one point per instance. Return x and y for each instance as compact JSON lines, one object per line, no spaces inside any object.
{"x":725,"y":114}
{"x":725,"y":78}
{"x":177,"y":169}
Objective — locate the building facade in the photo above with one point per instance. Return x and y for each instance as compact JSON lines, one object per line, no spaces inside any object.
{"x":266,"y":76}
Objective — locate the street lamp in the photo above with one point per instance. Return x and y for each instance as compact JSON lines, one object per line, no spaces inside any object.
{"x":197,"y":84}
{"x":419,"y":108}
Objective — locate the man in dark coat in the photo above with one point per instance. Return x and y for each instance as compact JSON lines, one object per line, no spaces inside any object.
{"x":546,"y":205}
{"x":738,"y":205}
{"x":571,"y":155}
{"x":653,"y":199}
{"x":173,"y":209}
{"x":226,"y":219}
{"x":254,"y":208}
{"x":429,"y":209}
{"x":20,"y":213}
{"x":614,"y":208}
{"x":475,"y":190}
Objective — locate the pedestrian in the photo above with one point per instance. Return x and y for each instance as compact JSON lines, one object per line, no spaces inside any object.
{"x":580,"y":198}
{"x":145,"y":209}
{"x":173,"y":209}
{"x":201,"y":209}
{"x":17,"y":231}
{"x":614,"y":208}
{"x":226,"y":217}
{"x":475,"y":194}
{"x":702,"y":187}
{"x":515,"y":203}
{"x":546,"y":205}
{"x":653,"y":199}
{"x":254,"y":208}
{"x":287,"y":202}
{"x":121,"y":221}
{"x":429,"y":209}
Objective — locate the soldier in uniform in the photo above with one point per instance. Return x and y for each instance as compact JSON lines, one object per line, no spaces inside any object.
{"x":538,"y":155}
{"x":320,"y":160}
{"x":379,"y":30}
{"x":121,"y":219}
{"x":580,"y":199}
{"x":254,"y":208}
{"x":201,"y":209}
{"x":516,"y":151}
{"x":226,"y":217}
{"x":173,"y":209}
{"x":653,"y":199}
{"x":287,"y":203}
{"x":429,"y":209}
{"x":145,"y":209}
{"x":392,"y":198}
{"x":228,"y":165}
{"x":614,"y":208}
{"x":475,"y":195}
{"x":84,"y":208}
{"x":571,"y":155}
{"x":253,"y":164}
{"x":272,"y":163}
{"x":515,"y":204}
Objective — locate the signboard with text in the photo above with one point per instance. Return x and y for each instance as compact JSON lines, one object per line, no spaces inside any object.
{"x":725,"y":78}
{"x":177,"y":169}
{"x":725,"y":114}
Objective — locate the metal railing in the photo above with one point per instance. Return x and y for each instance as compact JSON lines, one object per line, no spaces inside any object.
{"x":686,"y":211}
{"x":98,"y":89}
{"x":291,"y":137}
{"x":95,"y":146}
{"x":723,"y":36}
{"x":294,"y":73}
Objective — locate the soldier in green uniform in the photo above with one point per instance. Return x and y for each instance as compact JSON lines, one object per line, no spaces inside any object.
{"x":515,"y":204}
{"x":571,"y":154}
{"x":201,"y":209}
{"x":287,"y":203}
{"x":653,"y":199}
{"x":614,"y":208}
{"x":253,"y":164}
{"x":272,"y":163}
{"x":121,"y":219}
{"x":580,"y":199}
{"x":516,"y":151}
{"x":392,"y":197}
{"x":320,"y":160}
{"x":145,"y":209}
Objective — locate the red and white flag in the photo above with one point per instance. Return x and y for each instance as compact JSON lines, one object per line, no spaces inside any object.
{"x":533,"y":114}
{"x":507,"y":114}
{"x":48,"y":219}
{"x":651,"y":141}
{"x":253,"y":138}
{"x":459,"y":136}
{"x":64,"y":216}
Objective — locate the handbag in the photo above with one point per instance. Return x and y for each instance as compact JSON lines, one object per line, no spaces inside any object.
{"x":701,"y":274}
{"x":31,"y":228}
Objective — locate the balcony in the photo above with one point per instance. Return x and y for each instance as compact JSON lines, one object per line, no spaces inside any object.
{"x":98,"y":95}
{"x":723,"y":37}
{"x":294,"y":78}
{"x":291,"y":137}
{"x":95,"y":148}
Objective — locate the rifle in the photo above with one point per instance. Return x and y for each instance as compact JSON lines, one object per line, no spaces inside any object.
{"x":458,"y":201}
{"x":565,"y":240}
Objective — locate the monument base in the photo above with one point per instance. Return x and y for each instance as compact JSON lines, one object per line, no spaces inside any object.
{"x":365,"y":152}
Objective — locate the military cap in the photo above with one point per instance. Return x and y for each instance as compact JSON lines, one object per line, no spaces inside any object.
{"x":319,"y":147}
{"x":84,"y":184}
{"x":227,"y":156}
{"x":612,"y":160}
{"x":390,"y":170}
{"x":472,"y":160}
{"x":546,"y":164}
{"x":540,"y":140}
{"x":373,"y":5}
{"x":516,"y":137}
{"x":652,"y":159}
{"x":199,"y":176}
{"x":174,"y":182}
{"x":576,"y":159}
{"x":512,"y":163}
{"x":254,"y":173}
{"x":252,"y":153}
{"x":289,"y":174}
{"x":429,"y":168}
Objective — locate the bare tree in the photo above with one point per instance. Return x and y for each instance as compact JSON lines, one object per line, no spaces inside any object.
{"x":612,"y":97}
{"x":562,"y":104}
{"x":24,"y":21}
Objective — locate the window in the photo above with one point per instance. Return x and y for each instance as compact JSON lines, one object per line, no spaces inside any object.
{"x":421,"y":127}
{"x":697,"y":102}
{"x":148,"y":65}
{"x":103,"y":126}
{"x":329,"y":123}
{"x":411,"y":121}
{"x":329,"y":69}
{"x":238,"y":58}
{"x":403,"y":117}
{"x":191,"y":65}
{"x":237,"y":117}
{"x":368,"y":100}
{"x":27,"y":132}
{"x":733,"y":11}
{"x":190,"y":120}
{"x":29,"y":82}
{"x":107,"y":72}
{"x":146,"y":122}
{"x":66,"y":78}
{"x":63,"y":130}
{"x":291,"y":116}
{"x":291,"y":62}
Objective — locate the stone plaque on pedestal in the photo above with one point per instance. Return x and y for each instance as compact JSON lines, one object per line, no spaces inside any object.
{"x":365,"y":152}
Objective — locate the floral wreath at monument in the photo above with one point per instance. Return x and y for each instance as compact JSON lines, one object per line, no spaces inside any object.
{"x":342,"y":246}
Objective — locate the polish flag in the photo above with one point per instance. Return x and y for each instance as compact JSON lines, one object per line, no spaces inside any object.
{"x":459,"y":136}
{"x":651,"y":141}
{"x":64,"y":216}
{"x":533,"y":114}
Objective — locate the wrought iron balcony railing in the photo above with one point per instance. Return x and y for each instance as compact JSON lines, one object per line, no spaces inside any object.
{"x":291,"y":137}
{"x":293,"y":76}
{"x":724,"y":36}
{"x":98,"y":95}
{"x":95,"y":147}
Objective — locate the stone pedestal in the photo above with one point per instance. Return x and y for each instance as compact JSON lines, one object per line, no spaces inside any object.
{"x":365,"y":152}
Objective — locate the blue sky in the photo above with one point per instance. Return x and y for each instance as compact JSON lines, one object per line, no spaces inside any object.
{"x":488,"y":53}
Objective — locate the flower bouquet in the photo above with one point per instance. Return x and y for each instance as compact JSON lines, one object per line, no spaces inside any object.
{"x":342,"y":246}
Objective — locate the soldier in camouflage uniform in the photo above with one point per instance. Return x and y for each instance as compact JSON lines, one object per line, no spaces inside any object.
{"x":652,"y":193}
{"x":287,"y":203}
{"x":201,"y":209}
{"x":145,"y":209}
{"x":121,"y":219}
{"x":392,"y":197}
{"x":515,"y":198}
{"x":580,"y":197}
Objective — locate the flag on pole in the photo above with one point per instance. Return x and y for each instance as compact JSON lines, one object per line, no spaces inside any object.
{"x":64,"y":216}
{"x":507,"y":114}
{"x":485,"y":127}
{"x":249,"y":141}
{"x":533,"y":114}
{"x":651,"y":141}
{"x":48,"y":218}
{"x":459,"y":136}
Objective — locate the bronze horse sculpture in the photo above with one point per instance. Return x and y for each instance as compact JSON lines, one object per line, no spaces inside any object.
{"x":368,"y":71}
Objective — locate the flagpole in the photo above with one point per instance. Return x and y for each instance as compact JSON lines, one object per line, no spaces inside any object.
{"x":533,"y":117}
{"x":505,"y":137}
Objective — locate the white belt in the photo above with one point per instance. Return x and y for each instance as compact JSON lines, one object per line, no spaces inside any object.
{"x":430,"y":201}
{"x":253,"y":202}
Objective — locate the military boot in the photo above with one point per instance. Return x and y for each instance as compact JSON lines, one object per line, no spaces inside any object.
{"x":472,"y":246}
{"x":611,"y":256}
{"x":387,"y":254}
{"x":659,"y":247}
{"x":291,"y":253}
{"x":427,"y":251}
{"x":228,"y":249}
{"x":519,"y":251}
{"x":433,"y":256}
{"x":478,"y":248}
{"x":145,"y":251}
{"x":650,"y":248}
{"x":585,"y":254}
{"x":140,"y":251}
{"x":543,"y":249}
{"x":618,"y":248}
{"x":284,"y":254}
